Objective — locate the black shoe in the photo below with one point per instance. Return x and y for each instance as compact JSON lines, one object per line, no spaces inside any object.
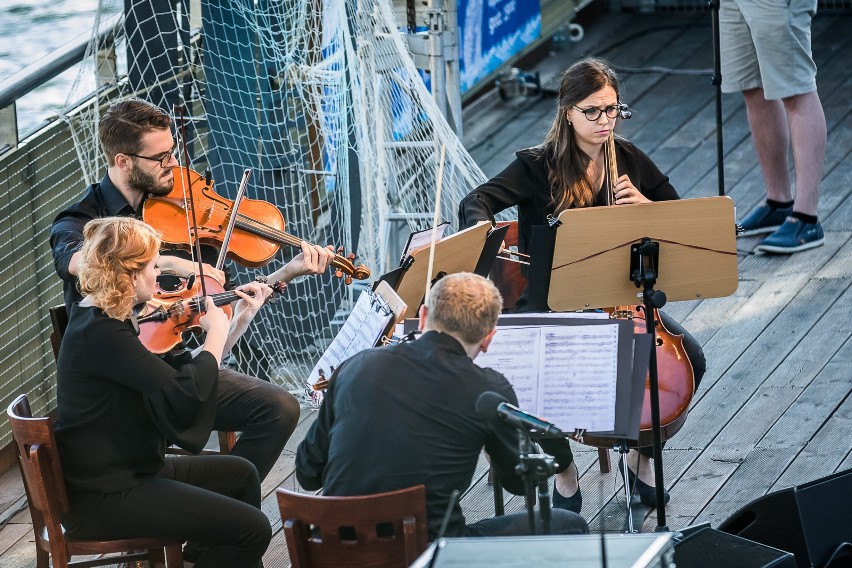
{"x":572,"y":503}
{"x":647,"y":493}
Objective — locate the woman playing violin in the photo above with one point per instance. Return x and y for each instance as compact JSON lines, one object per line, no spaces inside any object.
{"x":567,"y":170}
{"x":119,"y":405}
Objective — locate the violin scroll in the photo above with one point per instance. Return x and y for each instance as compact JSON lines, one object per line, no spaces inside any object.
{"x":344,"y":265}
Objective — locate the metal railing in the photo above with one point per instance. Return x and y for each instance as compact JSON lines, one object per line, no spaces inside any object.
{"x":33,"y":76}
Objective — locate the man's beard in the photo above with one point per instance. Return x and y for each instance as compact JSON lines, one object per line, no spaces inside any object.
{"x":146,"y":183}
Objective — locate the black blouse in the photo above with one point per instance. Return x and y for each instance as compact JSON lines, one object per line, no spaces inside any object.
{"x":119,"y":403}
{"x":524,"y":183}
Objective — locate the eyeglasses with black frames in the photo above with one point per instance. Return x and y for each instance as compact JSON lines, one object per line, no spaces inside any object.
{"x":163,"y":158}
{"x":594,"y":113}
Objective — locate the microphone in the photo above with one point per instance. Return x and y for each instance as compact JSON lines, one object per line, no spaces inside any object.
{"x":625,"y":112}
{"x":490,"y":403}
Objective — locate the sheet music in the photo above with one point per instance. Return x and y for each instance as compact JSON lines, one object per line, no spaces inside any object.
{"x":565,"y":374}
{"x":514,"y":351}
{"x":362,"y":330}
{"x":420,"y":239}
{"x":578,"y":373}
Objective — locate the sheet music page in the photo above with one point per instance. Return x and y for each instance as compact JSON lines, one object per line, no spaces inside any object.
{"x":514,"y":352}
{"x":579,"y":367}
{"x":420,"y":239}
{"x":362,"y":330}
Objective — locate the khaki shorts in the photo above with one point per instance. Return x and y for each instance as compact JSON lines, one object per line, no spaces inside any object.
{"x":767,"y":43}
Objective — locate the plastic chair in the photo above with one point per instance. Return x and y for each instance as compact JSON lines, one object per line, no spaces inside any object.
{"x":382,"y":530}
{"x":42,"y":474}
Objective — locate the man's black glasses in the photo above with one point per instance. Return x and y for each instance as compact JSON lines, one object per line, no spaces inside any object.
{"x":594,"y":113}
{"x":162,"y":158}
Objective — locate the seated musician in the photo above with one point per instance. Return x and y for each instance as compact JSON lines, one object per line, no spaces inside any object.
{"x":136,"y":138}
{"x":118,"y":403}
{"x":403,"y":415}
{"x":567,"y":171}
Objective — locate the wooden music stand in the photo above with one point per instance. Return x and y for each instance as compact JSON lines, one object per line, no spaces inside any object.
{"x":591,"y":258}
{"x":603,"y":255}
{"x":459,"y":252}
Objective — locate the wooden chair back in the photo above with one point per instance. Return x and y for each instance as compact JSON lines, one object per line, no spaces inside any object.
{"x":385,"y":530}
{"x":59,"y":321}
{"x":45,"y":487}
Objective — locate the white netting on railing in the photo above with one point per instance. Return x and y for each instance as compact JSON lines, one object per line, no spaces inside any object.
{"x":323,"y":101}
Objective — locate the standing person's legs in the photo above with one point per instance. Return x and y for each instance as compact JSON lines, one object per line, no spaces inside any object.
{"x":210,"y":500}
{"x":265,"y":414}
{"x":808,"y":134}
{"x":770,"y":134}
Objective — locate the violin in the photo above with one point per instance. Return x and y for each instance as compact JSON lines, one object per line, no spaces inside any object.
{"x":170,"y":313}
{"x":258,"y":229}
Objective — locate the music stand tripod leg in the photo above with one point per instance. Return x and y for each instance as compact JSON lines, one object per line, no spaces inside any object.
{"x":622,"y":448}
{"x":644,"y":270}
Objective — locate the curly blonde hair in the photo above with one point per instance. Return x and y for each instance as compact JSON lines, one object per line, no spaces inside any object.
{"x":115,"y":250}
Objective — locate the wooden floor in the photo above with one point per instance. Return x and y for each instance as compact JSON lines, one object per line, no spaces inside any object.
{"x":774,"y":408}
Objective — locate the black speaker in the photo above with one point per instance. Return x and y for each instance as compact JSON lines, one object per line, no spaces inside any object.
{"x":810,"y":520}
{"x":703,"y":547}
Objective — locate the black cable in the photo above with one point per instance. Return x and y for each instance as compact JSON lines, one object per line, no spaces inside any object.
{"x":836,"y":551}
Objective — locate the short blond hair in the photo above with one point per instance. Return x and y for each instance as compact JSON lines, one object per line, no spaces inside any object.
{"x":465,"y":305}
{"x":115,"y":250}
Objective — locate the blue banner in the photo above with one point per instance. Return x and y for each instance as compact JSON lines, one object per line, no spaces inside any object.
{"x":491,"y":32}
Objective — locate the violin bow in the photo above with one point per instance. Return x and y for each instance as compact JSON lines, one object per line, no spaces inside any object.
{"x":435,"y":220}
{"x":233,"y":220}
{"x":196,"y":244}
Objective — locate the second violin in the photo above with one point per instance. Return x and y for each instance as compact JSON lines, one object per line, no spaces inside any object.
{"x":258,"y":230}
{"x":168,"y":314}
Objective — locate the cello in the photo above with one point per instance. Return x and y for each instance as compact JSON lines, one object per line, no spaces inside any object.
{"x":258,"y":227}
{"x":675,"y":376}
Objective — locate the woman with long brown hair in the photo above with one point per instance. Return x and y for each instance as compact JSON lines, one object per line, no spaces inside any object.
{"x":568,"y":170}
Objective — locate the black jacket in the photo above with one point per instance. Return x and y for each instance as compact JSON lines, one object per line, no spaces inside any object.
{"x":404,"y":415}
{"x":524,"y":183}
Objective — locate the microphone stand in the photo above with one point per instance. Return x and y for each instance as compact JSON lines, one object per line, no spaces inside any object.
{"x":535,"y":468}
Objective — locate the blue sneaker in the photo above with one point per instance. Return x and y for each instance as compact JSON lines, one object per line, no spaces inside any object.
{"x":793,"y":236}
{"x":763,"y":219}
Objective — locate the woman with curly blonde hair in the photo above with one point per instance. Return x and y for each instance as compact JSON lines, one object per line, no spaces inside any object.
{"x":115,"y":254}
{"x":120,"y":406}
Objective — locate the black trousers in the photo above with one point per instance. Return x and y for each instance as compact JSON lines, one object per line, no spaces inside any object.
{"x":265,"y":414}
{"x":518,"y":524}
{"x":211,"y":501}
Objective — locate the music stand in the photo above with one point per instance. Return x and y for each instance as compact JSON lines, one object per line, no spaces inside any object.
{"x":459,"y":252}
{"x":603,"y":254}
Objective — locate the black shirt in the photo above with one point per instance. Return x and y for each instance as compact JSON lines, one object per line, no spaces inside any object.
{"x":524,"y":183}
{"x":66,"y":235}
{"x":118,"y":404}
{"x":404,"y":415}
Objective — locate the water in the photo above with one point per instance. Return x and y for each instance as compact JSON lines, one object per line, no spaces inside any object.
{"x":31,"y":30}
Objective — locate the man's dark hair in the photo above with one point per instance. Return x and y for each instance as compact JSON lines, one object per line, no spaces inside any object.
{"x":124,"y":123}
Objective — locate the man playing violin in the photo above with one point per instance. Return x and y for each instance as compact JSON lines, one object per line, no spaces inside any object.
{"x":137,"y":140}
